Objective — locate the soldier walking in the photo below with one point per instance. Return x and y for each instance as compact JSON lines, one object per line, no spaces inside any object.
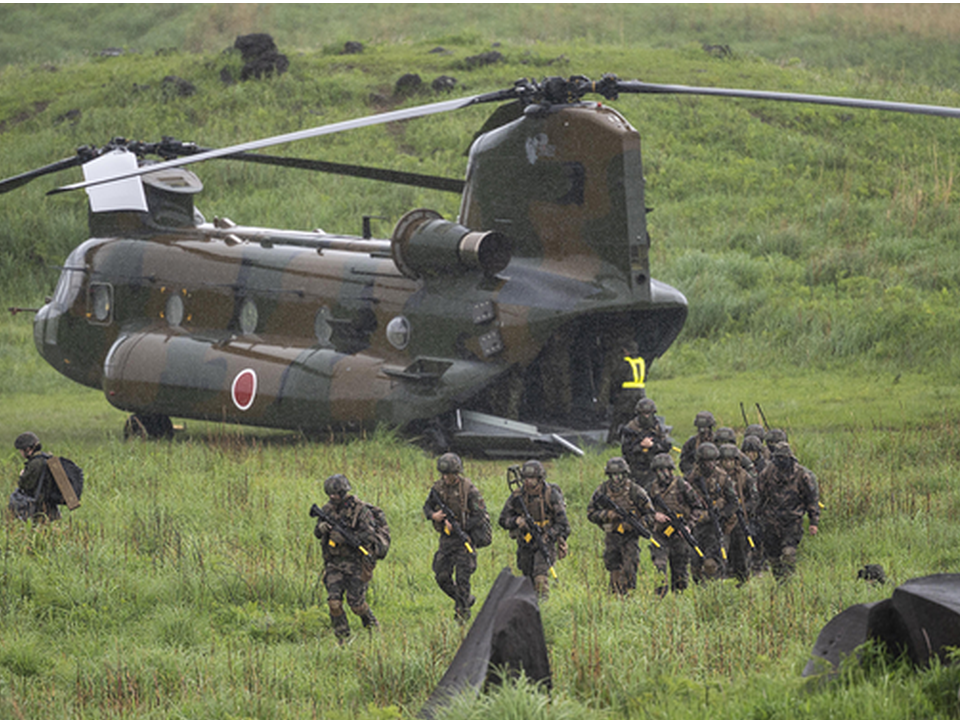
{"x":677,"y":507}
{"x":641,"y":439}
{"x":460,"y":517}
{"x":540,"y":546}
{"x":704,"y":422}
{"x":621,"y":553}
{"x":742,"y":555}
{"x":720,"y":499}
{"x":787,"y":492}
{"x":347,"y":533}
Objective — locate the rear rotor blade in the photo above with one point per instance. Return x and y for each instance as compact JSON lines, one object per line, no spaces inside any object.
{"x":405,"y":114}
{"x":635,"y":86}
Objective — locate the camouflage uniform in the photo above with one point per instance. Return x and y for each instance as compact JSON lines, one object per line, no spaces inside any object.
{"x":346,"y":570}
{"x":548,"y":510}
{"x":677,"y":494}
{"x":715,"y":490}
{"x":453,"y":557}
{"x":641,"y":439}
{"x":704,"y":423}
{"x":741,"y":556}
{"x":621,"y":553}
{"x":787,"y":491}
{"x":34,"y":471}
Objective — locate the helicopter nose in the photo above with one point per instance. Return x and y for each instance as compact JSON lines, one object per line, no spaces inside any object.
{"x":45,"y":326}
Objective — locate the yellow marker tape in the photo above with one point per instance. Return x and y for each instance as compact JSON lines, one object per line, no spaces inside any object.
{"x":639,"y":368}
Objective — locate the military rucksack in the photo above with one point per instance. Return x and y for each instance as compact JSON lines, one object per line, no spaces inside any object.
{"x":381,"y":531}
{"x":74,"y":481}
{"x":482,"y":534}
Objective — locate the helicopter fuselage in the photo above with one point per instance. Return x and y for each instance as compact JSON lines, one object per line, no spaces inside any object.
{"x":245,"y":325}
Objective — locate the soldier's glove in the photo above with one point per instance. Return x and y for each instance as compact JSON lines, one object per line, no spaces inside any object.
{"x":562,"y":549}
{"x":323,"y":528}
{"x":612,"y":516}
{"x":521,"y":523}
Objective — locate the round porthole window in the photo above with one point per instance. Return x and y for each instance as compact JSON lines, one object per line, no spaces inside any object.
{"x":100,"y":302}
{"x":321,"y":326}
{"x":398,"y":332}
{"x":249,"y":316}
{"x":174,"y":310}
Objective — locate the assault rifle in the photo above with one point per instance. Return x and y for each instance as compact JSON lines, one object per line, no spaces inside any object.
{"x":335,"y":524}
{"x":677,"y":524}
{"x":632,"y":520}
{"x":745,"y":523}
{"x":533,"y":531}
{"x":713,"y":516}
{"x":440,"y":505}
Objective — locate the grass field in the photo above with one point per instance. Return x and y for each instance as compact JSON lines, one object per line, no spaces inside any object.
{"x":818,"y":250}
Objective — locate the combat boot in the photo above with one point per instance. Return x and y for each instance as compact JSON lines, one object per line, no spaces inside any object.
{"x":338,"y":619}
{"x":367,"y":617}
{"x":541,"y":583}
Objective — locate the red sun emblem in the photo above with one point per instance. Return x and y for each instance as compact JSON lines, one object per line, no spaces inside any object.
{"x":244,"y":389}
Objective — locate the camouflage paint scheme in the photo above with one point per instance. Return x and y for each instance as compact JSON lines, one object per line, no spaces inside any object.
{"x":159,"y":317}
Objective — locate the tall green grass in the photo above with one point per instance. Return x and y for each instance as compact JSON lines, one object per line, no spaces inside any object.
{"x":817,"y":248}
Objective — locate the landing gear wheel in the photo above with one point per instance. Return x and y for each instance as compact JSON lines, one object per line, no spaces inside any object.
{"x":148,"y":427}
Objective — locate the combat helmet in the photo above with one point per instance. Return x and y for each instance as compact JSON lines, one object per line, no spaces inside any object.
{"x":754,"y":429}
{"x":728,"y":451}
{"x":704,"y":419}
{"x":724,"y":435}
{"x":26,"y":440}
{"x":533,"y":468}
{"x":617,"y":466}
{"x":645,"y":406}
{"x":751,"y":443}
{"x":336,"y":485}
{"x":773,"y":437}
{"x":707,"y":451}
{"x":449,"y":464}
{"x":661,"y":460}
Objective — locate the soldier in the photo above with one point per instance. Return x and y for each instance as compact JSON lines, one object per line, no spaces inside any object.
{"x":626,"y":389}
{"x":754,"y":449}
{"x":459,"y":515}
{"x":621,"y":553}
{"x":641,"y":439}
{"x":787,"y":491}
{"x":773,"y":438}
{"x":704,"y":423}
{"x":684,"y":506}
{"x":720,"y":499}
{"x":30,"y":499}
{"x":347,"y":535}
{"x":741,"y":554}
{"x":542,"y":503}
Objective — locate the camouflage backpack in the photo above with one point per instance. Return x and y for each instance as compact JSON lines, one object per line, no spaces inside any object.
{"x":381,"y":531}
{"x":482,"y":534}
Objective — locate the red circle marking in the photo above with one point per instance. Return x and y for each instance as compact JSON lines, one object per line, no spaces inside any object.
{"x":244,"y":389}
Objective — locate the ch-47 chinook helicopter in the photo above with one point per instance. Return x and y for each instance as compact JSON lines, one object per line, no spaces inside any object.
{"x":495,"y":333}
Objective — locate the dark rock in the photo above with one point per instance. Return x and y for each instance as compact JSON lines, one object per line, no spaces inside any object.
{"x":487,"y":58}
{"x":174,"y":86}
{"x":407,"y":84}
{"x":352,"y":47}
{"x":444,"y":83}
{"x":255,"y":45}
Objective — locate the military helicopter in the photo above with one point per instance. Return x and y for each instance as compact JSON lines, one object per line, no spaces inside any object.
{"x":495,"y":333}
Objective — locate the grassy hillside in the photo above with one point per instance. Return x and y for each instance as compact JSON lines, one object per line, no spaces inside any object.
{"x":817,"y":248}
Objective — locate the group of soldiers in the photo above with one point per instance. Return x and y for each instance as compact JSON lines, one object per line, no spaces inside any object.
{"x":730,"y":511}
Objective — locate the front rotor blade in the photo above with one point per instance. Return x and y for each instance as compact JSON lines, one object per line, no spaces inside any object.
{"x":405,"y":114}
{"x":635,"y":86}
{"x":12,"y":183}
